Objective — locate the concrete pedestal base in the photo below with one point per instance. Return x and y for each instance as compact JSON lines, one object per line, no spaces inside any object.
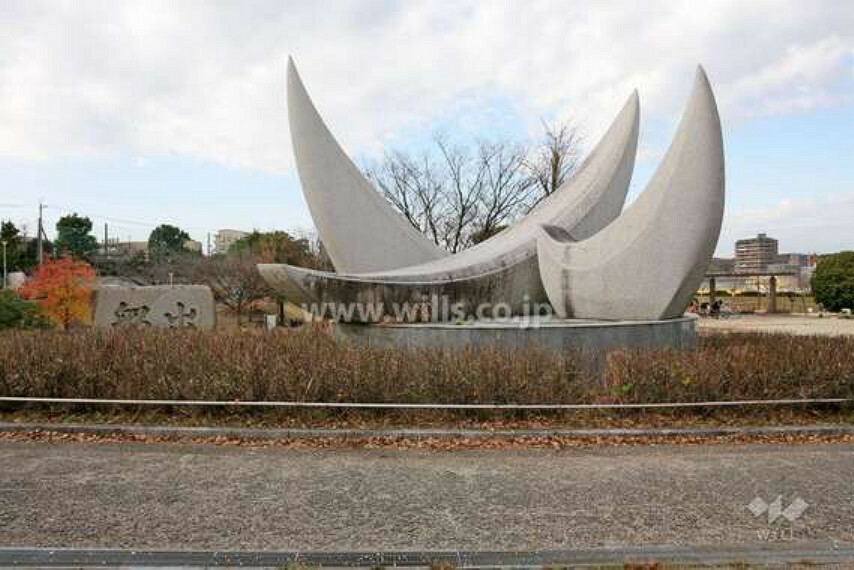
{"x":549,"y":334}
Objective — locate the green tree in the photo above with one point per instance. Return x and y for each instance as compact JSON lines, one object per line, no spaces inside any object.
{"x":275,"y":247}
{"x":833,"y":281}
{"x":73,"y":236}
{"x":21,"y":253}
{"x":166,"y":240}
{"x":9,"y":233}
{"x":19,"y":314}
{"x":11,"y":236}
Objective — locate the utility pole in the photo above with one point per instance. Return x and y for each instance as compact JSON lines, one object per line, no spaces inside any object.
{"x":40,"y":248}
{"x":5,"y":280}
{"x":209,"y":244}
{"x":106,"y":241}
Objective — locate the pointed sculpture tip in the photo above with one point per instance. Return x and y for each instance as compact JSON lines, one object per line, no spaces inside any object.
{"x":702,"y":83}
{"x":633,"y":105}
{"x":294,"y":80}
{"x":634,"y":98}
{"x":701,"y":74}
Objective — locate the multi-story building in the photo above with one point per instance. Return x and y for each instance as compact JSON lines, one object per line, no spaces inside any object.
{"x":796,"y":260}
{"x":756,"y":259}
{"x":754,"y":255}
{"x":224,"y":239}
{"x":799,"y":265}
{"x":193,"y":246}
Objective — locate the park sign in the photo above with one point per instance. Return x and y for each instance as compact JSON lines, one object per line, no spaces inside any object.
{"x":159,"y":306}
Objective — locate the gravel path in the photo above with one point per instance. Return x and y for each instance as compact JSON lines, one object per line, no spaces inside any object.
{"x":182,"y":496}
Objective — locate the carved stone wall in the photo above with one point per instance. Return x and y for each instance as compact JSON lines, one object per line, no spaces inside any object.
{"x":161,"y":306}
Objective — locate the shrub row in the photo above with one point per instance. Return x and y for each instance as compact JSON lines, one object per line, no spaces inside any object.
{"x":308,"y":365}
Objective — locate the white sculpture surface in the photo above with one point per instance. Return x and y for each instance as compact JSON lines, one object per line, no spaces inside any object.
{"x":650,"y":261}
{"x":502,"y":268}
{"x":358,"y":227}
{"x":575,"y":251}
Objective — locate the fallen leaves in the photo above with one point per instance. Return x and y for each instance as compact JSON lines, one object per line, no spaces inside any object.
{"x":442,"y":444}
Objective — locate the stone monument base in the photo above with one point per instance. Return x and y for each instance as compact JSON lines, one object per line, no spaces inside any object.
{"x":541,"y":333}
{"x":158,"y":306}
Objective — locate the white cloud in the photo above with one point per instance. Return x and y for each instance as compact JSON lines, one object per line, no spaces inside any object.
{"x":816,"y":224}
{"x":804,"y":77}
{"x":205,"y":80}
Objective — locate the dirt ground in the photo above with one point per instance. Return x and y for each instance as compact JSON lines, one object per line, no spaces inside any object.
{"x":792,"y":324}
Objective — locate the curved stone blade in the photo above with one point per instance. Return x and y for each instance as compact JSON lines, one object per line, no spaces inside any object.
{"x":358,"y":227}
{"x":502,"y":269}
{"x":650,"y":261}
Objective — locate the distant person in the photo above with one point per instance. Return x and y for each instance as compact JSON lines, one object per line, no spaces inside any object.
{"x":693,"y":306}
{"x":716,"y":308}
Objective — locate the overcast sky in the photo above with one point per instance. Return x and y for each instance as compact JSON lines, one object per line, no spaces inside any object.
{"x":137,"y":113}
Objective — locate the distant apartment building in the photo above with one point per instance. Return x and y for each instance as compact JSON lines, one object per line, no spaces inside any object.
{"x":193,"y":246}
{"x":796,"y":260}
{"x":800,"y":267}
{"x":755,"y":255}
{"x":225,"y":238}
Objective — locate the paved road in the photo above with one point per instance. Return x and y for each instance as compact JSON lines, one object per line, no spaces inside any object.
{"x":200,"y":497}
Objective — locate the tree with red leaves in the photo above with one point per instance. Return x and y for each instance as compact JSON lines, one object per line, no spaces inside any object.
{"x":63,"y":289}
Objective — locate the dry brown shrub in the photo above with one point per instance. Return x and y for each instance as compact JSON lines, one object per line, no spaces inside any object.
{"x":308,"y":365}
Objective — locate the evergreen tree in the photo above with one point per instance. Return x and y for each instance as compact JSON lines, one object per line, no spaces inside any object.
{"x":74,"y":237}
{"x":166,"y":240}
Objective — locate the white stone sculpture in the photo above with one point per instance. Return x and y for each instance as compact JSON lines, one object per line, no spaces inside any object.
{"x":358,"y":227}
{"x":504,"y":267}
{"x":574,"y":250}
{"x":650,"y":261}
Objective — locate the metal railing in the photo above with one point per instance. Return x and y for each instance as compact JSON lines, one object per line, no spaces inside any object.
{"x":417,"y":406}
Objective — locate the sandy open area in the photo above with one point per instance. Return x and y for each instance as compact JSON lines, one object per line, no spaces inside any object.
{"x":793,"y":324}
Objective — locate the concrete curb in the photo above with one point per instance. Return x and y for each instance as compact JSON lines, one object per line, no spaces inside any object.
{"x":702,"y":555}
{"x":179,"y":432}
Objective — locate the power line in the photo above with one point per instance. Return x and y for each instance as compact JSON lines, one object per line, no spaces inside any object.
{"x":69,"y":210}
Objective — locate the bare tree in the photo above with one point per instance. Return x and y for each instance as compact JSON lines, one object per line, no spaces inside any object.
{"x":555,"y":158}
{"x":462,"y":191}
{"x":438,"y":193}
{"x":234,"y":280}
{"x":506,"y":189}
{"x":414,"y":188}
{"x":458,"y":195}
